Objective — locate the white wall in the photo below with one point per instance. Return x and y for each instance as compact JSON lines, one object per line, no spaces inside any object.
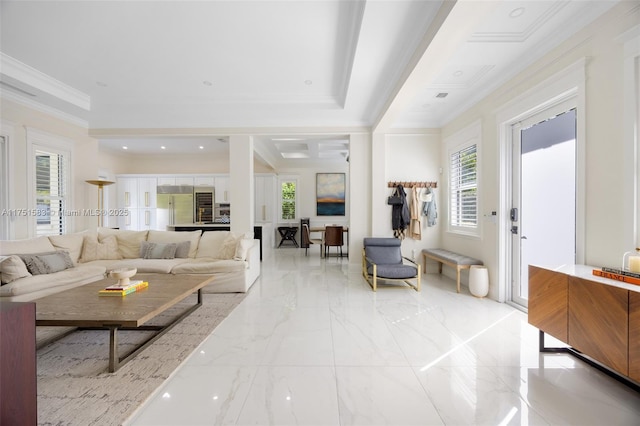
{"x":607,"y":226}
{"x":410,"y":157}
{"x":85,"y":164}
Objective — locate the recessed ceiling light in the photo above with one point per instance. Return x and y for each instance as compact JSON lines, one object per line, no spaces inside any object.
{"x":163,"y":147}
{"x":125,"y":147}
{"x":517,"y":12}
{"x":201,"y":147}
{"x":457,"y":73}
{"x":308,"y":82}
{"x":207,"y":83}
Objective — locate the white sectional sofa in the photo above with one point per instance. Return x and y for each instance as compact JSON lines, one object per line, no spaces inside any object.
{"x":33,"y":268}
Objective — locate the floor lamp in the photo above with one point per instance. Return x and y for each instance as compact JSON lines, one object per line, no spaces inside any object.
{"x":100,"y":184}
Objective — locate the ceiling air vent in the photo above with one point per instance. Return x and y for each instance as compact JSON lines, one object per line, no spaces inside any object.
{"x":442,"y":95}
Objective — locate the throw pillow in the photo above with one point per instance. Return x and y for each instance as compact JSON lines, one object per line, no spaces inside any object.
{"x":68,"y":242}
{"x":182,"y":249}
{"x":92,"y":249}
{"x":229,"y":245}
{"x":176,"y":237}
{"x":242,"y":248}
{"x":157,"y":250}
{"x":12,"y":268}
{"x":47,"y":263}
{"x":128,"y":241}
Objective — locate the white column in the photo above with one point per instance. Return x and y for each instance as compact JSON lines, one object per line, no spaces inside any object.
{"x":380,"y":212}
{"x":241,"y":183}
{"x":359,"y":193}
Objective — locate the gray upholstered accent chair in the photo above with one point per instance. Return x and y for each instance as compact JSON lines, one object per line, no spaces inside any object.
{"x":382,"y":260}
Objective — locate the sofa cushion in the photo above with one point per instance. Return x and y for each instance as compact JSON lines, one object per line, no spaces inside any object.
{"x":157,"y":250}
{"x":179,"y":238}
{"x":144,"y":266}
{"x":71,"y":243}
{"x":47,"y":263}
{"x":28,"y":246}
{"x":211,"y":244}
{"x":242,"y":248}
{"x":80,"y":274}
{"x":128,"y":241}
{"x":92,"y":249}
{"x":12,"y":268}
{"x":209,"y":266}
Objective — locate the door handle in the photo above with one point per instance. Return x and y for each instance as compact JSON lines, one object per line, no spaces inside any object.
{"x":514,"y":230}
{"x":523,"y":238}
{"x":514,"y":214}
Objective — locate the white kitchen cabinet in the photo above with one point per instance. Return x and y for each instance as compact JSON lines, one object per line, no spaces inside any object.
{"x":175,"y":180}
{"x":147,"y":219}
{"x":128,"y":220}
{"x":264,"y":201}
{"x":127,"y":192}
{"x":147,"y":192}
{"x":184,"y":181}
{"x":166,"y":181}
{"x":204,"y":181}
{"x":222,"y":189}
{"x":137,"y":198}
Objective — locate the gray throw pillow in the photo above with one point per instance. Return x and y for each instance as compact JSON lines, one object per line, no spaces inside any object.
{"x":182,"y":249}
{"x":47,"y":263}
{"x":157,"y":250}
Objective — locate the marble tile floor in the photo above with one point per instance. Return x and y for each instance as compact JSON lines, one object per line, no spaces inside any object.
{"x":313,"y":345}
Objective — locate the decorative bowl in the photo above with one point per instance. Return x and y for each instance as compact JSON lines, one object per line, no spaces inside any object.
{"x":123,"y":275}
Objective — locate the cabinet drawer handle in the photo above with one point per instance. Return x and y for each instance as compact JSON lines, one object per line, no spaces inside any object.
{"x":147,"y":217}
{"x":146,"y":199}
{"x":126,"y":199}
{"x":264,"y":212}
{"x":128,"y":218}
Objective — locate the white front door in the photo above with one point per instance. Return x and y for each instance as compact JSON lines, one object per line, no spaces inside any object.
{"x":543,"y":213}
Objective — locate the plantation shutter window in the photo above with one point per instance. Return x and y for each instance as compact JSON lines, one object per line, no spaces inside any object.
{"x":464,"y":188}
{"x":52,"y":185}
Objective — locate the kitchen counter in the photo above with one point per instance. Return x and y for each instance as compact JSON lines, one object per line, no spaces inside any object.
{"x":182,"y":227}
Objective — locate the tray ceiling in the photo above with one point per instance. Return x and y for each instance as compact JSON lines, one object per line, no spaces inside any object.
{"x":328,"y":64}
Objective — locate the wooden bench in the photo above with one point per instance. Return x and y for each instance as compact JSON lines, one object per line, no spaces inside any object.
{"x":455,"y":260}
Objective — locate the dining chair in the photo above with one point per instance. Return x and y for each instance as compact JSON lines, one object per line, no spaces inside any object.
{"x":333,"y":237}
{"x":307,"y":240}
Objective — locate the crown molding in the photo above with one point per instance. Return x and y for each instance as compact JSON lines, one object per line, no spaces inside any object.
{"x":37,"y":106}
{"x":32,"y":77}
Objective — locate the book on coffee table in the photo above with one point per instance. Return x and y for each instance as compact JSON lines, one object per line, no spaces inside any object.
{"x":118,"y":290}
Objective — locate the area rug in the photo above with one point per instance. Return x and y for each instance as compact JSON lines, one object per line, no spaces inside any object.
{"x":74,"y":386}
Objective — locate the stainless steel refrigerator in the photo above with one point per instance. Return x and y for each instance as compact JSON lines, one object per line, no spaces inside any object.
{"x":175,"y":205}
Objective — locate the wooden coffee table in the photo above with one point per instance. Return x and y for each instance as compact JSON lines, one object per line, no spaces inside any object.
{"x":82,"y":307}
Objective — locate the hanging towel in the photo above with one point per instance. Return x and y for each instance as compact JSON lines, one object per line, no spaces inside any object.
{"x":415,"y":227}
{"x":429,"y":207}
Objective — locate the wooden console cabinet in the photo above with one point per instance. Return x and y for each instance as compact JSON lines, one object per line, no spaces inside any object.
{"x":598,"y":317}
{"x":18,"y":395}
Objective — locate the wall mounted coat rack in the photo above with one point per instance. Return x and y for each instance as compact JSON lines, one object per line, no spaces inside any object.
{"x":412,"y":184}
